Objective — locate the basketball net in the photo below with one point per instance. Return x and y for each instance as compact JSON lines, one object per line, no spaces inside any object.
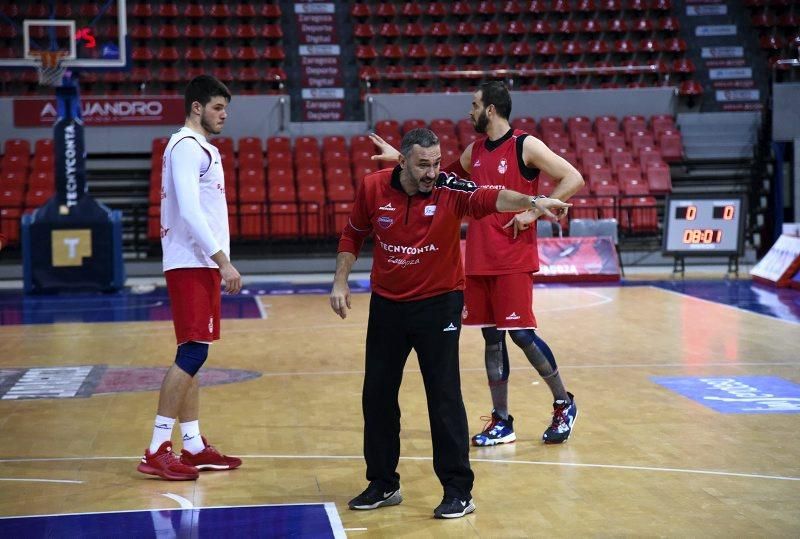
{"x":51,"y":69}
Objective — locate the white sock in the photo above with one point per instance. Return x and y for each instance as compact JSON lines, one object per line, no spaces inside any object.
{"x":162,"y":432}
{"x":192,"y":442}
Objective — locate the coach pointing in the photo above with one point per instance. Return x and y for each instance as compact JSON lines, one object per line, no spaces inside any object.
{"x":415,"y":212}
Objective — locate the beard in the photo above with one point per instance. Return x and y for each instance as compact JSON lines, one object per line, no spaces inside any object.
{"x":205,"y":124}
{"x":481,"y":123}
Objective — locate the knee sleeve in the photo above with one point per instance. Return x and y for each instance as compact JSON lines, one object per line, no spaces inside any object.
{"x":191,"y":356}
{"x":536,"y":350}
{"x":496,"y":355}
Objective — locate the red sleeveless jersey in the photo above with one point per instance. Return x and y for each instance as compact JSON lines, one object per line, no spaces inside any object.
{"x":491,"y":249}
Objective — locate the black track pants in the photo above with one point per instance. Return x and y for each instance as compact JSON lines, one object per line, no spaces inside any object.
{"x":431,"y":327}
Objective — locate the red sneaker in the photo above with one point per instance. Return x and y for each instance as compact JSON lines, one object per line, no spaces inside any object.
{"x":209,"y":459}
{"x":166,"y":464}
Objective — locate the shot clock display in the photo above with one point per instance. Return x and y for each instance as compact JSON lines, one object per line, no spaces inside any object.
{"x":703,"y":224}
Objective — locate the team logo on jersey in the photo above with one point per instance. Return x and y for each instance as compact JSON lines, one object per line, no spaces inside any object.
{"x":502,"y":167}
{"x":476,"y":164}
{"x":388,"y":207}
{"x":385,"y":221}
{"x":430,"y":210}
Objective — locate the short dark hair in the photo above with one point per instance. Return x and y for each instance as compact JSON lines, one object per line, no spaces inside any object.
{"x":496,"y":93}
{"x":422,"y":136}
{"x":202,"y":89}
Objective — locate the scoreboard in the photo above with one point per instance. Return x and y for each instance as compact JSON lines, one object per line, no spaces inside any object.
{"x":704,"y":224}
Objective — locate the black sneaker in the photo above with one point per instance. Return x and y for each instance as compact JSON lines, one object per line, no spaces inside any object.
{"x":375,"y":496}
{"x":452,"y":507}
{"x":564,"y":415}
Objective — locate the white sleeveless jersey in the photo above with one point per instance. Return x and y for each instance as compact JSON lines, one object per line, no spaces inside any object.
{"x":194,"y":223}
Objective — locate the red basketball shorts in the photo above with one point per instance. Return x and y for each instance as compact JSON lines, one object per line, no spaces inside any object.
{"x":194,"y":295}
{"x":504,"y":301}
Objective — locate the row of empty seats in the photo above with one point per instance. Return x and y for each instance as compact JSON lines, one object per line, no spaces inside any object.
{"x":778,"y":27}
{"x":309,"y":183}
{"x":402,"y":47}
{"x":26,"y":181}
{"x":170,"y":43}
{"x":460,"y":10}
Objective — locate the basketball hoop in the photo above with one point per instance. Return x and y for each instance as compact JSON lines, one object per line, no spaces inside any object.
{"x":51,"y":67}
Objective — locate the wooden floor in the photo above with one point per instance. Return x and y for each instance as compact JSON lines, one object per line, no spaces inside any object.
{"x":643,"y":461}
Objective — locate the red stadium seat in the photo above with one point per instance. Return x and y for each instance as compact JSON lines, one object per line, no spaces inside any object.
{"x":12,"y":195}
{"x":658,"y":178}
{"x":525,"y":123}
{"x":413,"y":30}
{"x":690,"y":88}
{"x":604,"y":187}
{"x":634,"y":187}
{"x":597,"y":174}
{"x":619,"y":158}
{"x":284,"y":220}
{"x":154,"y":223}
{"x":639,"y":215}
{"x":17,"y":163}
{"x":340,"y":216}
{"x":389,"y":30}
{"x":411,"y":10}
{"x":310,"y":192}
{"x":17,"y":146}
{"x":671,"y":145}
{"x":281,"y":192}
{"x":253,"y":221}
{"x":36,"y":197}
{"x":249,"y":193}
{"x":386,"y":10}
{"x":541,"y":27}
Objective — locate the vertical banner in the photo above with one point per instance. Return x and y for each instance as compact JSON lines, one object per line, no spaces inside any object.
{"x":70,"y":151}
{"x":322,"y":91}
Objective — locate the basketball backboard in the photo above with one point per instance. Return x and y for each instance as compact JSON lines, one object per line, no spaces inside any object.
{"x":87,"y":35}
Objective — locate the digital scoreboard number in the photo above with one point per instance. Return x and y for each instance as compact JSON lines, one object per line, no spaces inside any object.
{"x":703,"y":225}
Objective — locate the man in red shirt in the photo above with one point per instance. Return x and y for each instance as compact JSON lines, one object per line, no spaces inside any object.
{"x":415,"y":213}
{"x":499,"y":297}
{"x":500,"y":262}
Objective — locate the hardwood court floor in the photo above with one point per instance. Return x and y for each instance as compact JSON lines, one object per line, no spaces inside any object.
{"x":644,"y":460}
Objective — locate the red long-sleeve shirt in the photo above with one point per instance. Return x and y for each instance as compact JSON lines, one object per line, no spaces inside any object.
{"x":417,"y":252}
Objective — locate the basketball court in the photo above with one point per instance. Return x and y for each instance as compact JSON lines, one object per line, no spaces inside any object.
{"x":688,"y":418}
{"x":688,"y":395}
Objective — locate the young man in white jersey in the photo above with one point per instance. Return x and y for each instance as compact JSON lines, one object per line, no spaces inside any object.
{"x":196,"y":245}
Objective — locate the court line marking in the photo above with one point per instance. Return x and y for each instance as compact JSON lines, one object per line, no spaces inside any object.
{"x":335,"y":521}
{"x":40,"y":480}
{"x":262,"y":374}
{"x":491,"y":461}
{"x":483,"y":370}
{"x":95,"y":309}
{"x":734,"y":307}
{"x":603,"y":301}
{"x":262,"y":309}
{"x":151,"y":509}
{"x":183,"y":502}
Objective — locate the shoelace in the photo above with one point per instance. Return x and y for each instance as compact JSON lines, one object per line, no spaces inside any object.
{"x":169,"y":457}
{"x":559,"y":415}
{"x":491,"y":422}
